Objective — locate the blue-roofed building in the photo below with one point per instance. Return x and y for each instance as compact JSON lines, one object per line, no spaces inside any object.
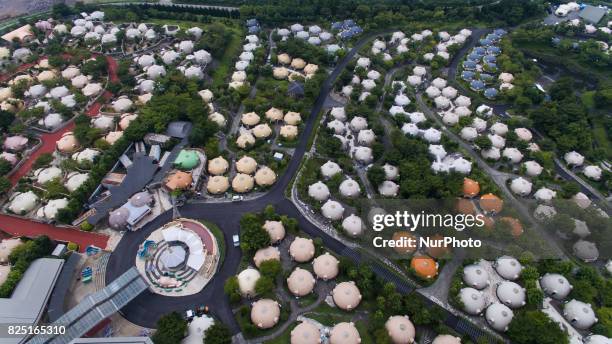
{"x":485,"y":42}
{"x":337,"y":25}
{"x":480,"y":51}
{"x":489,"y":59}
{"x":473,"y":57}
{"x":467,"y":75}
{"x":469,"y":65}
{"x":349,"y":23}
{"x":493,"y":37}
{"x":555,"y":41}
{"x":493,"y":50}
{"x":252,"y":22}
{"x":253,"y":29}
{"x":486,"y":77}
{"x":490,"y":93}
{"x":500,"y":32}
{"x":477,"y":85}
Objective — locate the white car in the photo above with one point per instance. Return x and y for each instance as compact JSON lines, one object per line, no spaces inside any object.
{"x":236,"y":240}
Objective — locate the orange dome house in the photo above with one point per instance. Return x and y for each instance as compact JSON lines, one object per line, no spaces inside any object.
{"x":404,"y":236}
{"x":516,"y":228}
{"x":424,"y":267}
{"x":438,"y":252}
{"x":471,"y":188}
{"x":491,"y":203}
{"x":465,"y":206}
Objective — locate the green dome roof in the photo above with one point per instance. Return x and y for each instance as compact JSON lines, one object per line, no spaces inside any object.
{"x":187,"y":160}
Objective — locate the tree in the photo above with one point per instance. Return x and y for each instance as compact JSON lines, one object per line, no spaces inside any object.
{"x":42,"y":160}
{"x":263,"y":285}
{"x":5,"y":185}
{"x":376,"y":175}
{"x":253,"y":235}
{"x":171,"y":329}
{"x":232,"y":289}
{"x":217,"y":334}
{"x":270,"y":268}
{"x":5,"y":166}
{"x":483,"y":142}
{"x":535,"y":327}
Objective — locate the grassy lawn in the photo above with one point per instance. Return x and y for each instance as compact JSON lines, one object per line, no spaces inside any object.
{"x":285,"y":337}
{"x":218,"y":233}
{"x":234,"y":47}
{"x":329,"y":316}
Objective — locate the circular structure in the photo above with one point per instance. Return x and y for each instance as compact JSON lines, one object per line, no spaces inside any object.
{"x":265,"y":313}
{"x":555,"y":286}
{"x":400,"y":329}
{"x":265,"y":176}
{"x":326,"y":266}
{"x":446,"y":339}
{"x":218,"y":166}
{"x":177,"y":259}
{"x":305,"y":333}
{"x":579,"y":314}
{"x":246,"y":165}
{"x":332,"y":210}
{"x":349,"y":188}
{"x":319,"y":191}
{"x":597,"y":339}
{"x":329,"y":169}
{"x":424,"y":267}
{"x":499,"y":316}
{"x":242,"y":183}
{"x":302,"y":249}
{"x":346,"y":295}
{"x":344,"y":333}
{"x":586,"y":250}
{"x":473,"y":300}
{"x":511,"y":294}
{"x":475,"y":276}
{"x":491,"y":203}
{"x":247,"y":279}
{"x":275,"y":230}
{"x":217,"y":184}
{"x":300,"y":282}
{"x":264,"y":254}
{"x":508,"y":267}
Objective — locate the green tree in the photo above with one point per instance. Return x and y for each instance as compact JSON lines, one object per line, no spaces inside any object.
{"x":270,"y":268}
{"x":483,"y":142}
{"x":5,"y":185}
{"x":231,"y":289}
{"x":253,"y":236}
{"x":535,"y":327}
{"x":218,"y":333}
{"x":171,"y":329}
{"x":263,"y":285}
{"x":376,"y":175}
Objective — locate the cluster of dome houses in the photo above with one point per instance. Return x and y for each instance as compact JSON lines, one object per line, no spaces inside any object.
{"x":293,"y":68}
{"x":252,"y":129}
{"x":314,"y":35}
{"x":480,"y":66}
{"x":491,"y":290}
{"x":248,"y":174}
{"x":239,"y":77}
{"x":367,"y":84}
{"x":265,"y":313}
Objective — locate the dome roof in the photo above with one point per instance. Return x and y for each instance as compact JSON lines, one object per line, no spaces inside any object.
{"x":450,"y":118}
{"x":186,"y":47}
{"x":492,"y":153}
{"x":403,"y":237}
{"x":329,"y":169}
{"x":91,"y":89}
{"x":179,"y":180}
{"x":582,"y":200}
{"x":499,"y":128}
{"x":579,"y":314}
{"x":581,"y":229}
{"x":265,"y":313}
{"x":432,"y":135}
{"x":446,"y":339}
{"x":79,"y":81}
{"x":274,"y":114}
{"x":337,"y":126}
{"x":574,"y":158}
{"x":126,"y":119}
{"x":433,"y":92}
{"x":122,"y":105}
{"x":410,"y":129}
{"x":242,"y":183}
{"x":217,"y":184}
{"x":194,"y":72}
{"x":326,"y":266}
{"x":268,"y":253}
{"x":593,"y":172}
{"x":499,"y":316}
{"x":471,"y":188}
{"x":140,"y":199}
{"x":523,"y":134}
{"x":59,"y":92}
{"x":473,"y":301}
{"x":52,"y":120}
{"x":305,"y":333}
{"x":346,"y":295}
{"x":491,"y":203}
{"x":10,"y":157}
{"x":349,"y":188}
{"x":413,"y":80}
{"x":265,"y":176}
{"x":424,"y":267}
{"x":353,"y":225}
{"x":555,"y":286}
{"x":300,"y":282}
{"x":302,"y":249}
{"x":363,"y":154}
{"x":292,"y":118}
{"x":544,"y":194}
{"x":75,"y":180}
{"x":513,"y":155}
{"x":275,"y":230}
{"x":218,"y":166}
{"x":289,"y":131}
{"x":169,"y":56}
{"x":332,"y":210}
{"x":521,"y":186}
{"x":245,"y":140}
{"x":118,"y":218}
{"x":469,"y":133}
{"x":247,"y":279}
{"x":23,"y":202}
{"x":597,"y":339}
{"x":511,"y":294}
{"x":586,"y":250}
{"x":358,"y":123}
{"x":449,"y":92}
{"x":103,"y":122}
{"x":113,"y":137}
{"x":45,"y":175}
{"x":463,"y":101}
{"x":262,"y":131}
{"x":402,"y":100}
{"x":67,"y":143}
{"x":476,"y":276}
{"x":419,"y":70}
{"x":298,"y":63}
{"x":388,"y":188}
{"x":532,"y":168}
{"x":391,"y":172}
{"x":319,"y":191}
{"x":344,"y":333}
{"x":400,"y":329}
{"x":543,"y":212}
{"x":479,"y":124}
{"x":146,"y":60}
{"x":508,"y":267}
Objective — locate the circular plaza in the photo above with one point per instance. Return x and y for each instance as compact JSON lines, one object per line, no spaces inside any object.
{"x":179,"y":258}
